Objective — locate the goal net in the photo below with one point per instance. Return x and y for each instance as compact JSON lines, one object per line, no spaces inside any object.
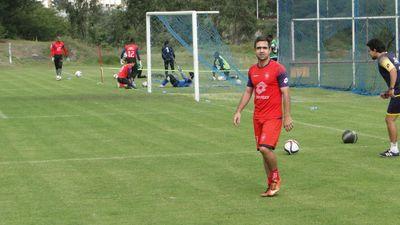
{"x":196,"y":43}
{"x":323,"y":42}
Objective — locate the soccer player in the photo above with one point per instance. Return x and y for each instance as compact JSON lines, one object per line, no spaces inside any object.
{"x":168,"y":55}
{"x":130,"y":54}
{"x":185,"y":82}
{"x":269,"y":82}
{"x":388,"y":66}
{"x":274,"y":48}
{"x":220,"y":64}
{"x":57,"y":51}
{"x":124,"y":77}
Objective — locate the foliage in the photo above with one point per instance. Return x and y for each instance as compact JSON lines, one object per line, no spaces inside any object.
{"x":28,"y":19}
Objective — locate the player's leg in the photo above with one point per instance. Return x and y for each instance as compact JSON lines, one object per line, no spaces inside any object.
{"x":173,"y":80}
{"x":166,"y":67}
{"x":58,"y":66}
{"x":393,"y":112}
{"x":257,"y":125}
{"x":268,"y":140}
{"x":172,"y":64}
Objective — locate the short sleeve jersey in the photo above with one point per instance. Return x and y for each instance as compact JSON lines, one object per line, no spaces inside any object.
{"x":267,"y":82}
{"x":386,"y":63}
{"x":124,"y":71}
{"x":58,"y":48}
{"x":131,"y":51}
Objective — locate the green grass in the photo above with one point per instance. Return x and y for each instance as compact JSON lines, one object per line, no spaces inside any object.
{"x":74,"y":152}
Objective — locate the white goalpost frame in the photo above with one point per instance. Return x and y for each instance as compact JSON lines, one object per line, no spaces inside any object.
{"x":353,"y":18}
{"x":195,"y":45}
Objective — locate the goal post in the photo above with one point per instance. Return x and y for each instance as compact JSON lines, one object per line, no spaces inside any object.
{"x":194,"y":43}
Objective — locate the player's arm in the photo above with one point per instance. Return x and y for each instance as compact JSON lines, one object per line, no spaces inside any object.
{"x":283,"y":82}
{"x":389,"y":66}
{"x":287,"y":118}
{"x":122,"y":53}
{"x":243,"y":102}
{"x":137,"y":54}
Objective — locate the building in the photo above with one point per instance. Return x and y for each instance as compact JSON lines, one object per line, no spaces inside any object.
{"x":104,"y":3}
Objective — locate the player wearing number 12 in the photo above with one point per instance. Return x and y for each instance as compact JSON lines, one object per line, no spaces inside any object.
{"x":131,"y":55}
{"x":269,"y":82}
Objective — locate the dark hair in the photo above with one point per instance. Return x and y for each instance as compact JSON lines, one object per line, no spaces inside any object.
{"x":132,"y":40}
{"x":376,"y":44}
{"x":216,"y":54}
{"x":262,"y":38}
{"x":191,"y":74}
{"x":166,"y":42}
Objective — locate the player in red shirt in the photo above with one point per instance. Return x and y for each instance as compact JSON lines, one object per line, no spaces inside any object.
{"x":124,"y":76}
{"x":269,"y":82}
{"x":130,"y":54}
{"x":57,"y":51}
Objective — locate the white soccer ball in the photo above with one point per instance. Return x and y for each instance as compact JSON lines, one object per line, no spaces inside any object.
{"x":221,"y":78}
{"x":291,"y":147}
{"x":78,"y":73}
{"x":115,"y":76}
{"x":58,"y":77}
{"x":238,"y":82}
{"x":144,"y":84}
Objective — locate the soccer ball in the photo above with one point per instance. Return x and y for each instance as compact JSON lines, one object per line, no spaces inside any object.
{"x":144,"y":84}
{"x":115,"y":76}
{"x":291,"y":147}
{"x":238,"y":82}
{"x":78,"y":74}
{"x":349,"y":137}
{"x":221,"y":78}
{"x":58,"y":77}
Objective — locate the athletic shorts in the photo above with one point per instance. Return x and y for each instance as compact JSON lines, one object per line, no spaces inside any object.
{"x":266,"y":132}
{"x":394,"y":106}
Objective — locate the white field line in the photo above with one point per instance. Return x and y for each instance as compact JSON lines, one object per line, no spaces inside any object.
{"x":315,"y":125}
{"x":125,"y":157}
{"x":3,"y":116}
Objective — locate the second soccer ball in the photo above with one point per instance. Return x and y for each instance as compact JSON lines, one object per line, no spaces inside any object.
{"x":291,"y":147}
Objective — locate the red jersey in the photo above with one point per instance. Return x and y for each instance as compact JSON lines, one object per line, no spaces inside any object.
{"x":267,"y":82}
{"x":131,"y":51}
{"x":124,"y":71}
{"x":58,"y":48}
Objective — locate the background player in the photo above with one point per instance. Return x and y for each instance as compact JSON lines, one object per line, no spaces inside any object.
{"x":57,"y":51}
{"x":388,"y":66}
{"x":269,"y":82}
{"x":130,"y":54}
{"x":168,"y":56}
{"x":185,"y":82}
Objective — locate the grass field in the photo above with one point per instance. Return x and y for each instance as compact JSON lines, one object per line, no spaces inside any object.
{"x":75,"y":152}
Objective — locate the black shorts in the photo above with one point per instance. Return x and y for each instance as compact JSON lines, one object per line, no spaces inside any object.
{"x":58,"y":61}
{"x":131,"y":60}
{"x":394,"y":106}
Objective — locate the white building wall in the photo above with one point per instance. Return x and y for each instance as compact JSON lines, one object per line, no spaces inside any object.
{"x":104,"y":3}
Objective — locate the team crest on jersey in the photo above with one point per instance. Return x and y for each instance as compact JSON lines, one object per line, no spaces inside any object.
{"x":261,"y":87}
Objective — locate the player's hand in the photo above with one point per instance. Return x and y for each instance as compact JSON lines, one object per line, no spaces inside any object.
{"x":384,"y":95}
{"x":288,"y":123}
{"x":121,"y":61}
{"x":391,"y":92}
{"x":236,"y":119}
{"x":52,"y":59}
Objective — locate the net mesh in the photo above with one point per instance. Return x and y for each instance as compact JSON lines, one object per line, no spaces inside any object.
{"x":177,"y":29}
{"x":299,"y":52}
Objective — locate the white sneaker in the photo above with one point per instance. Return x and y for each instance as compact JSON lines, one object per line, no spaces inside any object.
{"x":162,"y":86}
{"x":58,"y":77}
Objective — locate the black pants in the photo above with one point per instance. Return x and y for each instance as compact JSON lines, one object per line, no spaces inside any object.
{"x":170,"y":63}
{"x":173,"y":80}
{"x":58,"y":61}
{"x":125,"y":81}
